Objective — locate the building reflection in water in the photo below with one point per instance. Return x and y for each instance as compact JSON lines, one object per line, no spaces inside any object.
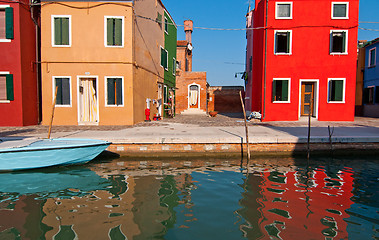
{"x":188,"y":200}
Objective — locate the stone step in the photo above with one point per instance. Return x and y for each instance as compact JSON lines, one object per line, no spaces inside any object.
{"x":193,"y":111}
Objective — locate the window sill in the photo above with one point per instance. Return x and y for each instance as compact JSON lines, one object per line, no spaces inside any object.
{"x":62,"y":106}
{"x":5,"y":40}
{"x":283,"y":18}
{"x":281,"y":102}
{"x":337,"y":54}
{"x":109,"y":46}
{"x":340,"y":18}
{"x":114,"y":106}
{"x":5,"y":101}
{"x":61,"y":46}
{"x":283,"y":54}
{"x":337,"y":102}
{"x":372,"y":66}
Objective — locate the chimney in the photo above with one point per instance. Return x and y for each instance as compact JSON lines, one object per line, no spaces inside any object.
{"x":188,"y":29}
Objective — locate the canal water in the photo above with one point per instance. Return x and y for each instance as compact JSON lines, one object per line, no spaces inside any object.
{"x":196,"y":199}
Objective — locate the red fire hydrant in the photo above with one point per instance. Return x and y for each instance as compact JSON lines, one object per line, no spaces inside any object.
{"x":147,"y":114}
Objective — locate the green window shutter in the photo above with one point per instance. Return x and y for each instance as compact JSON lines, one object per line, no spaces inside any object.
{"x":164,"y":58}
{"x":118,"y":32}
{"x":9,"y":28}
{"x":58,"y":83}
{"x":10,"y":90}
{"x":110,"y":32}
{"x":65,"y":28}
{"x":119,"y":91}
{"x":344,"y":42}
{"x":338,"y":90}
{"x":285,"y":90}
{"x":288,"y":42}
{"x":66,"y":91}
{"x":273,"y":90}
{"x":111,"y":91}
{"x":58,"y":31}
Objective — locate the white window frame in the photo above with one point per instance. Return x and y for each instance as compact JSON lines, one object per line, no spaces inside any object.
{"x":290,"y":47}
{"x":276,"y":10}
{"x":347,"y":10}
{"x":106,"y":30}
{"x":343,"y":90}
{"x":174,"y":67}
{"x":53,"y":30}
{"x":165,"y":24}
{"x":53,"y":89}
{"x":289,"y":89}
{"x":346,"y":42}
{"x":370,"y":64}
{"x":5,"y":101}
{"x":4,"y":39}
{"x":106,"y":91}
{"x":165,"y":68}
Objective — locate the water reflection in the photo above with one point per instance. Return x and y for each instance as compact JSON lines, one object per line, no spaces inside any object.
{"x":192,"y":200}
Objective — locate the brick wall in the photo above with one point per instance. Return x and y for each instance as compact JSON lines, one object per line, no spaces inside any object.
{"x":225,"y":99}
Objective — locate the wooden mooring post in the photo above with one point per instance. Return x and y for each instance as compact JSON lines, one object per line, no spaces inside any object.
{"x":246,"y":129}
{"x":52,"y":112}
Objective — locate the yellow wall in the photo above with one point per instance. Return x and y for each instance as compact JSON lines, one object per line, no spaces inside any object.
{"x":87,"y":56}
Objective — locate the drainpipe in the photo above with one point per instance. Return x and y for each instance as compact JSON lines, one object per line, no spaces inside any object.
{"x":265,"y":67}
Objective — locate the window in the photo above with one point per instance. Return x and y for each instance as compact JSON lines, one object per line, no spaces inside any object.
{"x":377,"y":94}
{"x":336,"y":90}
{"x":164,"y":58}
{"x":368,"y":95}
{"x":115,"y":96}
{"x":338,"y":42}
{"x":6,"y":23}
{"x":340,"y":10}
{"x":251,"y":63}
{"x":159,"y":20}
{"x":166,"y":25}
{"x":6,"y":87}
{"x":63,"y":91}
{"x":372,"y":58}
{"x":283,"y":10}
{"x":283,"y":42}
{"x":61,"y":31}
{"x":114,"y":34}
{"x":280,"y":90}
{"x":174,"y":66}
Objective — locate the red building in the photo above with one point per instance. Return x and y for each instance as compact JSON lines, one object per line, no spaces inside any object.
{"x":18,"y":71}
{"x":301,"y":59}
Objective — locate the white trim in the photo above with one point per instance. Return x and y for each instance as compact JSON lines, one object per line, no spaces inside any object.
{"x":165,"y":24}
{"x":343,"y":90}
{"x":281,"y":31}
{"x":53,"y":30}
{"x":331,"y":42}
{"x":4,"y":39}
{"x":165,"y":68}
{"x":78,"y":99}
{"x":2,"y":73}
{"x":198,"y":99}
{"x":369,"y":57}
{"x":316,"y":99}
{"x":53,"y":95}
{"x":5,"y":101}
{"x":289,"y":89}
{"x":282,"y":3}
{"x":106,"y":30}
{"x":347,"y":10}
{"x":106,"y":91}
{"x":174,"y":67}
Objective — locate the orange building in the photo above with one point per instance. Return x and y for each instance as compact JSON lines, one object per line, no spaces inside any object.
{"x":103,"y":60}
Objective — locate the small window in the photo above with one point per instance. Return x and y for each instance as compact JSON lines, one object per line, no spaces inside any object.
{"x":159,"y":20}
{"x":251,"y":63}
{"x":368,"y":95}
{"x":283,"y":42}
{"x":6,"y":23}
{"x":340,"y":10}
{"x":336,"y":90}
{"x":114,"y":91}
{"x":280,"y":90}
{"x":283,"y":10}
{"x":6,"y":87}
{"x":372,"y":58}
{"x":338,"y":42}
{"x":114,"y":31}
{"x":166,"y":25}
{"x":164,"y":58}
{"x":64,"y":91}
{"x":174,"y":66}
{"x":61,"y":31}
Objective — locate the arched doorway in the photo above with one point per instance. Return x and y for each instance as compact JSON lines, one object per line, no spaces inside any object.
{"x":194,"y":96}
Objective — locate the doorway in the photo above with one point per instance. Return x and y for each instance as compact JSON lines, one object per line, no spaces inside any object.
{"x":307,"y":99}
{"x":194,"y":96}
{"x":87,"y":100}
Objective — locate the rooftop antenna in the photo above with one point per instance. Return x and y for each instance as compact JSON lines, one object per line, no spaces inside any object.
{"x":249,"y":6}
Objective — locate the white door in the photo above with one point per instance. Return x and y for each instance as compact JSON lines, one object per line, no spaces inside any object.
{"x":88,"y":112}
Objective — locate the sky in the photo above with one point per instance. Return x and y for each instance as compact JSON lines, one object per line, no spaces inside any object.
{"x":222,"y":53}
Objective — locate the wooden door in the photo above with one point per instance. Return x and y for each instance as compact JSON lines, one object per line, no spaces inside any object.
{"x":307,"y":98}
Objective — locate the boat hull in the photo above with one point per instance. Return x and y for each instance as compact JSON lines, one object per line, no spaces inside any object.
{"x":51,"y":152}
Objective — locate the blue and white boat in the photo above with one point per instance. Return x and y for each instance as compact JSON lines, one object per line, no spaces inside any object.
{"x":39,"y":153}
